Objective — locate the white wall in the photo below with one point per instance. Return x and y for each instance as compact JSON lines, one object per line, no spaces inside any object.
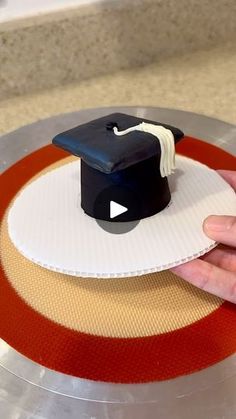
{"x":14,"y":9}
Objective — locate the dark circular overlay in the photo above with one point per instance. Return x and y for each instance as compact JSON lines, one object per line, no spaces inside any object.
{"x":119,"y":360}
{"x":120,"y":199}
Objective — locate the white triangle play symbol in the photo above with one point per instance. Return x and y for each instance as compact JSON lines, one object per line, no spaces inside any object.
{"x":116,"y":209}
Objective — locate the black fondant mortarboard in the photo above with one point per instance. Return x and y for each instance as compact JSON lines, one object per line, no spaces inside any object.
{"x":114,"y":167}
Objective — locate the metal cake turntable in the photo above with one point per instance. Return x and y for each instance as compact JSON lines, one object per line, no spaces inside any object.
{"x":29,"y":390}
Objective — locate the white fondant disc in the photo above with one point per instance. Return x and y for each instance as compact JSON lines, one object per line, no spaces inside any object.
{"x":48,"y":226}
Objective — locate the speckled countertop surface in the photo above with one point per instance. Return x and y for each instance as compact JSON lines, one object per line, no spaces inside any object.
{"x":73,"y":45}
{"x":202,"y":82}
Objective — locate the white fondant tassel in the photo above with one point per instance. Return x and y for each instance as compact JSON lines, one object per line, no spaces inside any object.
{"x":166,"y":140}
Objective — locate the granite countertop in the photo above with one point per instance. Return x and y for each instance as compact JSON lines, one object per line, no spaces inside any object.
{"x":202,"y":82}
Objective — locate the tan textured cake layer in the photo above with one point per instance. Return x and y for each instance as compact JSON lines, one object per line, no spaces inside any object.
{"x":139,"y":306}
{"x":92,"y":40}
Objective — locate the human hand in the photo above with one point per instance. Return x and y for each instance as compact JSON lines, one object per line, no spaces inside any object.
{"x":215,"y":272}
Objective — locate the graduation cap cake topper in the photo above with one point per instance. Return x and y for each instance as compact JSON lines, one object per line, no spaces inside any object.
{"x":123,"y":159}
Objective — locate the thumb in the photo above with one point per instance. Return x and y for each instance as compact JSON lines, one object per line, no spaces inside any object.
{"x":221,"y":229}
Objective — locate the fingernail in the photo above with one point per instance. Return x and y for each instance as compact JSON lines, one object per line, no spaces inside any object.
{"x":215,"y":223}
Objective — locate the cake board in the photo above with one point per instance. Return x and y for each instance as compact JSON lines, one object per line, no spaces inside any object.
{"x":119,"y":399}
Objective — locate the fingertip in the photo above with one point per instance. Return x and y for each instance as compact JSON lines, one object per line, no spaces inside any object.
{"x":209,"y":222}
{"x":205,"y":223}
{"x":194,"y":272}
{"x":175,"y":270}
{"x":229,"y":176}
{"x":186,"y":268}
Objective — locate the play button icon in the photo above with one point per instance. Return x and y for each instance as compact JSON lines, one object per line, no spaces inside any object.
{"x":116,"y":205}
{"x":116,"y":209}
